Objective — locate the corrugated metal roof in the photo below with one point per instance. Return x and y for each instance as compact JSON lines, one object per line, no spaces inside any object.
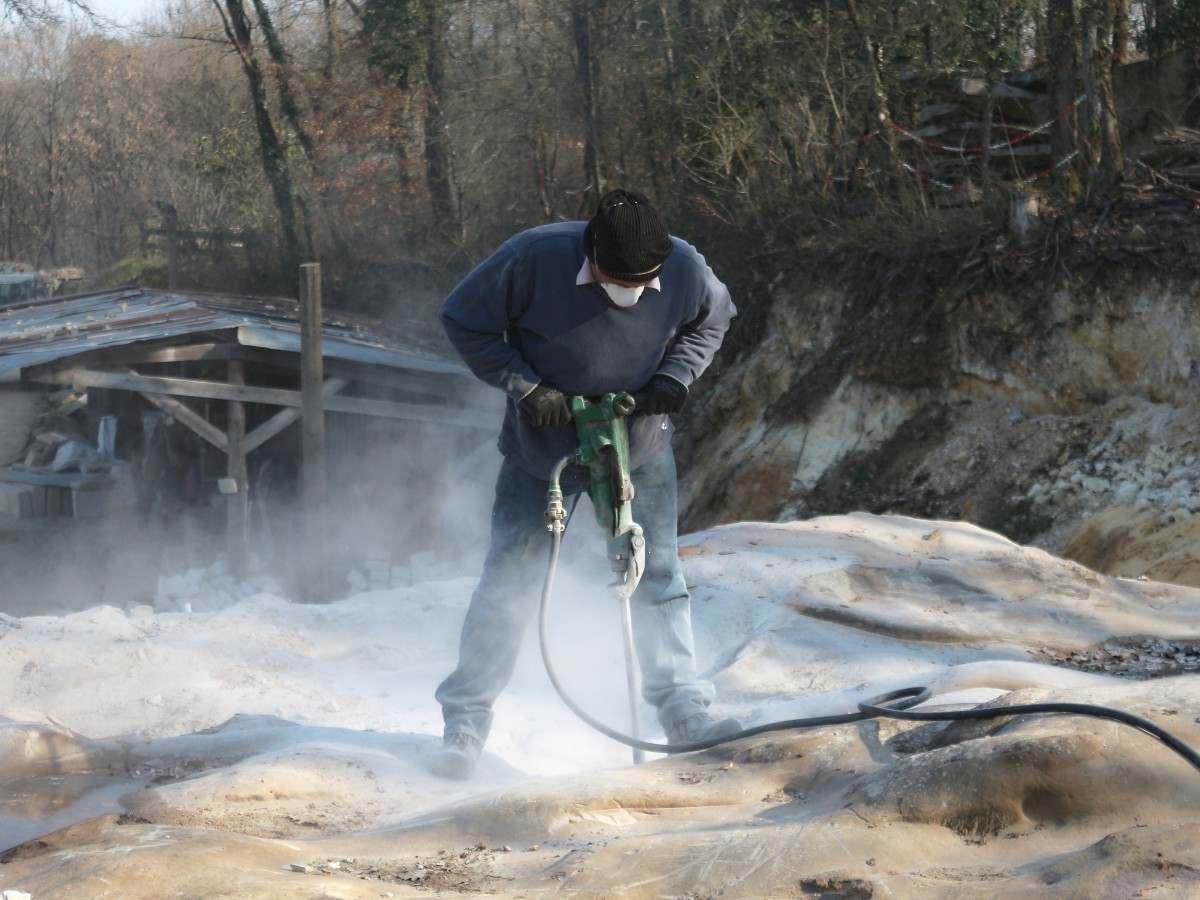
{"x":58,"y":328}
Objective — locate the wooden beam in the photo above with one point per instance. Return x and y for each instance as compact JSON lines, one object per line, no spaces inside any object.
{"x":163,"y":384}
{"x":185,"y":416}
{"x":215,"y":390}
{"x":186,"y":353}
{"x":149,"y":352}
{"x":206,"y":352}
{"x":286,"y":417}
{"x":453,"y":387}
{"x":457,"y":389}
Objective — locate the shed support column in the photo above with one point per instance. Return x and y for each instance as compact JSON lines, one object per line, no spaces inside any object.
{"x":314,"y":584}
{"x":237,"y":509}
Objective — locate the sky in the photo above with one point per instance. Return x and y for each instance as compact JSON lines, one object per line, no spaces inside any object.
{"x":125,"y":12}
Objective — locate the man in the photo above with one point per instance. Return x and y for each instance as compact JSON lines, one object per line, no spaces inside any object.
{"x":574,"y":308}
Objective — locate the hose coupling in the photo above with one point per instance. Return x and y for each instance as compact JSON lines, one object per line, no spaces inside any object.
{"x":556,"y":512}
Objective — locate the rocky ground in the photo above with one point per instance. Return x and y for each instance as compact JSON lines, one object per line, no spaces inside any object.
{"x":271,"y":749}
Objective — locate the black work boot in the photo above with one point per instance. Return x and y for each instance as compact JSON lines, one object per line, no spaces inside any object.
{"x":456,"y":757}
{"x":701,"y":727}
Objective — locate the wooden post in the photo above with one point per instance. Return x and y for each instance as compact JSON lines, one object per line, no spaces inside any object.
{"x":237,"y":507}
{"x":171,"y":224}
{"x":314,"y":587}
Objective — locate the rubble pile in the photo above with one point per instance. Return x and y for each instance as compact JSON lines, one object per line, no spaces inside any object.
{"x":1132,"y":658}
{"x":469,"y":870}
{"x":1142,"y":464}
{"x":209,"y":589}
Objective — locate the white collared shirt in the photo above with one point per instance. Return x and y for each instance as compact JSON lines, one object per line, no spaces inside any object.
{"x":585,"y":277}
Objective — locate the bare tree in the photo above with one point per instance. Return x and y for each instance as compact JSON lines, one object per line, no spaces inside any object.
{"x":408,"y":47}
{"x":272,"y":149}
{"x":585,"y":14}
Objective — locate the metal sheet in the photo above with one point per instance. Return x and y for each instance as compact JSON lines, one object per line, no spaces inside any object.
{"x":59,"y":328}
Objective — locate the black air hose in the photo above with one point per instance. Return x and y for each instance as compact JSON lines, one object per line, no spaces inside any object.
{"x":892,"y":705}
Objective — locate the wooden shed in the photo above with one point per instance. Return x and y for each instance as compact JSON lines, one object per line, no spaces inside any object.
{"x":180,"y":411}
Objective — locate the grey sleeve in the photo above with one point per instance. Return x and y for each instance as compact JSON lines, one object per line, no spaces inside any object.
{"x":697,"y":341}
{"x":476,"y":317}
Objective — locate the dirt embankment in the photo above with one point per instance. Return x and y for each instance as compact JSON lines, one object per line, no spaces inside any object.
{"x":1043,"y":389}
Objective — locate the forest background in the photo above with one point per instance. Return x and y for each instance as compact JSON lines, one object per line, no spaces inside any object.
{"x":399,"y":141}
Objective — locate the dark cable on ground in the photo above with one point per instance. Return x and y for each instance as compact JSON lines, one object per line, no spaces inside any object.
{"x":892,"y":705}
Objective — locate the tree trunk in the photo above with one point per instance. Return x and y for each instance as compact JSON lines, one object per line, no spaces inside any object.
{"x":438,"y":159}
{"x":878,"y":117}
{"x":1119,"y":16}
{"x":408,"y":46}
{"x":1062,"y":30}
{"x":1104,"y":136}
{"x":587,"y":73}
{"x":280,"y":69}
{"x":271,"y":149}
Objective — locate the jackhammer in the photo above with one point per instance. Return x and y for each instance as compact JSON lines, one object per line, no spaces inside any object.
{"x":604,"y":451}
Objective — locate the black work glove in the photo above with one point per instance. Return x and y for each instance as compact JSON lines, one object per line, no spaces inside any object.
{"x":544,"y":406}
{"x":662,"y":395}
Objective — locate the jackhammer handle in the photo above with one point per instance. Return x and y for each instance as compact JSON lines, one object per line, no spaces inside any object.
{"x":624,"y":404}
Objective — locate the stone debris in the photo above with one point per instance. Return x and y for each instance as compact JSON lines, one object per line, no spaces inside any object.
{"x":379,"y":572}
{"x":1125,"y":469}
{"x":1132,"y":658}
{"x":466,"y":870}
{"x":209,"y":589}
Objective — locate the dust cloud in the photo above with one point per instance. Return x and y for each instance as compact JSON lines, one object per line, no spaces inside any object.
{"x":405,"y":501}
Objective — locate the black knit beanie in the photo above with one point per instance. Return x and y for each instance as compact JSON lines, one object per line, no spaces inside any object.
{"x":627,"y":238}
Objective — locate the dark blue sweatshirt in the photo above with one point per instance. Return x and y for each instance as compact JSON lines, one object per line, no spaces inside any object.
{"x":519,"y":320}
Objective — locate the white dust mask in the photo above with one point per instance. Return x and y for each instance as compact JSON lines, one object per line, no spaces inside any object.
{"x":623,"y":296}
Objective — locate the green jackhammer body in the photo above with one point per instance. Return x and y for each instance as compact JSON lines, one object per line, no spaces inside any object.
{"x":604,"y":451}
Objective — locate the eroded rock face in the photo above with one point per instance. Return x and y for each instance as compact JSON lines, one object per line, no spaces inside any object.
{"x":1061,"y":414}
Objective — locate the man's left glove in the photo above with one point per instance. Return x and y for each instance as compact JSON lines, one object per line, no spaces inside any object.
{"x":544,"y":406}
{"x":662,"y":395}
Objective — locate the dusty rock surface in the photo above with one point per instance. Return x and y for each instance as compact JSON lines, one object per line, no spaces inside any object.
{"x":297,"y":796}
